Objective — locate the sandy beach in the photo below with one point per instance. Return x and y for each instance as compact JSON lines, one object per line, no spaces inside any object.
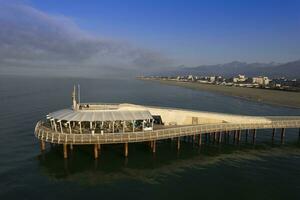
{"x":275,"y":97}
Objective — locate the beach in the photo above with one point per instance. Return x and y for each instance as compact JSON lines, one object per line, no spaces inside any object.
{"x":274,"y":97}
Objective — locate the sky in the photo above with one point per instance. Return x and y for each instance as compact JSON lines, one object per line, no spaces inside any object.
{"x":86,"y":37}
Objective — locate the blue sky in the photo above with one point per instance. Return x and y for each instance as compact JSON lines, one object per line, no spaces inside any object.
{"x":109,"y":37}
{"x":192,"y":32}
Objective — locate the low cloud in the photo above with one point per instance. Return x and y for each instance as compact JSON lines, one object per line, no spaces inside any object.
{"x":34,"y":42}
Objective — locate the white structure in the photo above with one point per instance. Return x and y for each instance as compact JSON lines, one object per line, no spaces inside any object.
{"x":99,"y":118}
{"x":97,"y":124}
{"x":240,"y":78}
{"x":190,"y":77}
{"x":212,"y":79}
{"x":261,"y":80}
{"x":108,"y":119}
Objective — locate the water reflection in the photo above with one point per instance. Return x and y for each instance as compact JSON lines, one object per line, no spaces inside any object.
{"x":150,"y":168}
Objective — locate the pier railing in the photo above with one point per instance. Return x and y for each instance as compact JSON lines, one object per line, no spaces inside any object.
{"x":46,"y":134}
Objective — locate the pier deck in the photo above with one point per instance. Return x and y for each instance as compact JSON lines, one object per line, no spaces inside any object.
{"x":45,"y":133}
{"x":98,"y":124}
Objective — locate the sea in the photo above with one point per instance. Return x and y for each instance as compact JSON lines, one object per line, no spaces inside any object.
{"x":266,"y":170}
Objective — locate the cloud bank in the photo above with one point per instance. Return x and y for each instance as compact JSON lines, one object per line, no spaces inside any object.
{"x":34,"y":42}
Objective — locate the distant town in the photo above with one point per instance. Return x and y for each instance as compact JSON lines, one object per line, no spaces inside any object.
{"x":260,"y":82}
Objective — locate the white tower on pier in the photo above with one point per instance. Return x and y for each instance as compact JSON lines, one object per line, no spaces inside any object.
{"x":75,"y":104}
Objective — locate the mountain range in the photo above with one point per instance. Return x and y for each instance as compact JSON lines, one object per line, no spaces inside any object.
{"x":273,"y":70}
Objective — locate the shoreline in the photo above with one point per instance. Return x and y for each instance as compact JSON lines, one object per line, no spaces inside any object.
{"x":273,"y":97}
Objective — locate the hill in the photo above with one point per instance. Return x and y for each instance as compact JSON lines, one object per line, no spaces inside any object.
{"x":290,"y":69}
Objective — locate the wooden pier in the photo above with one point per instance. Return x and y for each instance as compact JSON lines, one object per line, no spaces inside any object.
{"x":46,"y":134}
{"x":100,"y":124}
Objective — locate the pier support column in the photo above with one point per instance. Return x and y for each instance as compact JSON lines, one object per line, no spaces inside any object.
{"x":96,"y":151}
{"x":178,"y":143}
{"x":200,"y":139}
{"x":151,"y":144}
{"x":154,"y":146}
{"x":215,"y":137}
{"x":234,"y":136}
{"x":254,"y":136}
{"x":238,"y":136}
{"x":220,"y":137}
{"x":65,"y":151}
{"x":99,"y":149}
{"x":226,"y":136}
{"x":247,"y":132}
{"x":194,"y":138}
{"x":126,"y":149}
{"x":273,"y":134}
{"x":282,"y":135}
{"x":71,"y":147}
{"x":43,"y":145}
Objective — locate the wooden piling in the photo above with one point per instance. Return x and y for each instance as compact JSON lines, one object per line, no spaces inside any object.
{"x":99,"y":147}
{"x":65,"y":151}
{"x":200,"y":139}
{"x":215,"y":137}
{"x":247,"y":132}
{"x":239,"y":136}
{"x":178,"y":143}
{"x":126,"y":149}
{"x":234,"y":136}
{"x":43,"y":145}
{"x":154,"y":146}
{"x":220,"y":137}
{"x":282,"y":135}
{"x":273,"y":134}
{"x":228,"y":136}
{"x":254,"y":136}
{"x":96,"y":151}
{"x":71,"y":147}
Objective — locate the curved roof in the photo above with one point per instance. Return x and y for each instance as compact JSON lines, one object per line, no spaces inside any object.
{"x":100,"y":115}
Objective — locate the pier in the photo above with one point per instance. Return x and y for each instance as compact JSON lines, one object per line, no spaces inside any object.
{"x":104,"y":124}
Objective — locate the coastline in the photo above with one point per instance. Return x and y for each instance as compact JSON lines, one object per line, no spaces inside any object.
{"x":273,"y":97}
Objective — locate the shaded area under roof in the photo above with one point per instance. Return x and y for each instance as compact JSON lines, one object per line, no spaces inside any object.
{"x":100,"y":115}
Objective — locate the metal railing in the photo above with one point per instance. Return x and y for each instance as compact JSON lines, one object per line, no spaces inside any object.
{"x":45,"y":133}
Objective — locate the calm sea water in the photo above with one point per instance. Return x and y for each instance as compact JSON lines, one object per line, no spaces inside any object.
{"x":244,"y":171}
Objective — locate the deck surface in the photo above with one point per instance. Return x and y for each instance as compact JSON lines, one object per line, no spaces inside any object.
{"x":46,"y":134}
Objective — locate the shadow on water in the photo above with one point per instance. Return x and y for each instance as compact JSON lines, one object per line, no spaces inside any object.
{"x":144,"y":166}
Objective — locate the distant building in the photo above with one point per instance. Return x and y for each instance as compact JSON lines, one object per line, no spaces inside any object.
{"x":261,"y":80}
{"x":190,"y":78}
{"x":240,"y":78}
{"x":212,"y":79}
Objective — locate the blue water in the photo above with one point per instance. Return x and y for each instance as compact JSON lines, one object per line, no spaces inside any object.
{"x":227,"y":171}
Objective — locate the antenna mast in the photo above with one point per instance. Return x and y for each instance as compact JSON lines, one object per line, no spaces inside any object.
{"x":74,"y":98}
{"x":78,"y":86}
